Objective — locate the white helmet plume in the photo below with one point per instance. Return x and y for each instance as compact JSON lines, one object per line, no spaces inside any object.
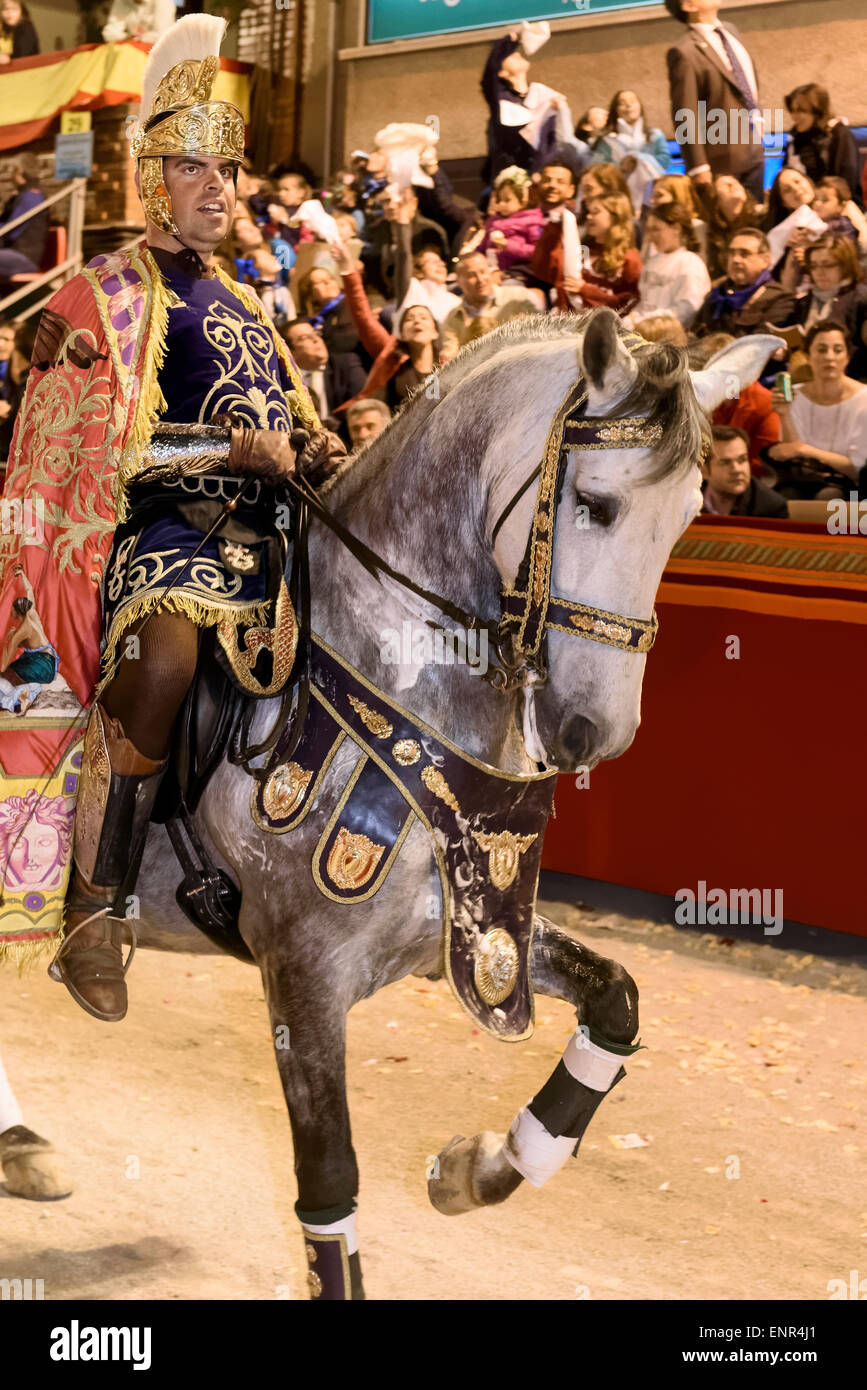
{"x":195,"y":36}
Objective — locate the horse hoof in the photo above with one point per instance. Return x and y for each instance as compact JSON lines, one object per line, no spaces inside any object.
{"x":30,"y":1166}
{"x":460,"y":1170}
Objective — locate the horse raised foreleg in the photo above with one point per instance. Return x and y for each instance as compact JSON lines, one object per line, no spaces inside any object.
{"x":309,"y":1033}
{"x":486,"y":1169}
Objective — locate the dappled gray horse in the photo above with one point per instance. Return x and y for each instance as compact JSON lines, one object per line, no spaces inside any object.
{"x":426,"y":496}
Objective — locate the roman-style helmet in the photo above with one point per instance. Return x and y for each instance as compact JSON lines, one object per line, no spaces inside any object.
{"x":177,"y":115}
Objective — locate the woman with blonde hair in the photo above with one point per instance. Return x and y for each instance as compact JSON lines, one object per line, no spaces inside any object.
{"x":615,"y":266}
{"x":600,"y":180}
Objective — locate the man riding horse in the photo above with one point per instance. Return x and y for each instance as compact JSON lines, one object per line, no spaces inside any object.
{"x":161,"y":402}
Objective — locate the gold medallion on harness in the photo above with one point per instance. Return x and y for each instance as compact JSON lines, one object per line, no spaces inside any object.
{"x":406,"y":751}
{"x":376,"y":723}
{"x":352,"y":859}
{"x":284,"y":790}
{"x":504,"y":852}
{"x":496,"y":966}
{"x":315,"y":1283}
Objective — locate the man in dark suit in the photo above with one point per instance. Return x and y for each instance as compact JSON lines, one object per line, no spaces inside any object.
{"x":332,"y":378}
{"x":714,"y":98}
{"x":729,"y":488}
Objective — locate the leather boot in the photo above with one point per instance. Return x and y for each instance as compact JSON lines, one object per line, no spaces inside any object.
{"x":117,"y":793}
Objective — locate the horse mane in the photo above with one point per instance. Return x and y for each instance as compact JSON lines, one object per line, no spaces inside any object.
{"x":661,"y":393}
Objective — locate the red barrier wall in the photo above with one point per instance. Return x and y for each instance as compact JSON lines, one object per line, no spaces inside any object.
{"x":745,"y":773}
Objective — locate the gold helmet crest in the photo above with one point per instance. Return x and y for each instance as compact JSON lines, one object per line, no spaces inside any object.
{"x":177,"y":114}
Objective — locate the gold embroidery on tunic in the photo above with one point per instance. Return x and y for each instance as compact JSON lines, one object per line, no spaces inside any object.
{"x":244,"y":354}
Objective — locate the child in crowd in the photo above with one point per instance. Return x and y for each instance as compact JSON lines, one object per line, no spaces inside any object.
{"x":591,"y":126}
{"x":267,"y":281}
{"x":641,"y":154}
{"x":834,"y":204}
{"x":615,"y":266}
{"x":674,"y":280}
{"x":513,"y":228}
{"x":600,"y":180}
{"x":289,"y":192}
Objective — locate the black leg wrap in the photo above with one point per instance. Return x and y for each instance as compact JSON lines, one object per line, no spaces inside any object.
{"x":566,"y":1106}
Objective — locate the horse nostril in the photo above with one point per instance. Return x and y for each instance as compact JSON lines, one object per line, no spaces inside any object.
{"x":580,"y":739}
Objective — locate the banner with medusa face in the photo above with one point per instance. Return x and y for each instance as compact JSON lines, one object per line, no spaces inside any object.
{"x":35,"y":845}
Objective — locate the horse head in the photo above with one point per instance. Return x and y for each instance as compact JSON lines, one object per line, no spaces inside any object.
{"x":621,"y":509}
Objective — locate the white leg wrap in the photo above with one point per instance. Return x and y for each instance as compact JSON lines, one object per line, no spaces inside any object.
{"x":589,"y":1064}
{"x":535,"y":1153}
{"x":10,"y":1110}
{"x":346,"y":1227}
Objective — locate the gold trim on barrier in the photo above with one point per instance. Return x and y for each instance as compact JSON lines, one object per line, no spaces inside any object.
{"x":495,"y":970}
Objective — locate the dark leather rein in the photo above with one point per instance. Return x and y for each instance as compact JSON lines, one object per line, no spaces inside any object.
{"x":528,"y":609}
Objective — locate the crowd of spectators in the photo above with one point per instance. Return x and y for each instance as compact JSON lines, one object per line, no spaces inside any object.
{"x":386,"y":274}
{"x":405,"y":274}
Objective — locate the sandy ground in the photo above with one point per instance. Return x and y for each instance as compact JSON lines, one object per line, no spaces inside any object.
{"x":173,"y":1131}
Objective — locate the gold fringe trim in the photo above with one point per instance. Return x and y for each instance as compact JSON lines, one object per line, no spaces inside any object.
{"x":151,"y":401}
{"x":299,"y":400}
{"x":203,"y":615}
{"x":25,"y":954}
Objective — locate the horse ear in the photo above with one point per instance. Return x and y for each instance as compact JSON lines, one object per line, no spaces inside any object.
{"x":733,"y":368}
{"x":604,"y":361}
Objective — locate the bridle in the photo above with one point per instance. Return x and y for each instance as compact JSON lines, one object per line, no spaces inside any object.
{"x":528,"y":609}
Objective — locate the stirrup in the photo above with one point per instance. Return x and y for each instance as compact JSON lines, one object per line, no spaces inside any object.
{"x":57,"y":972}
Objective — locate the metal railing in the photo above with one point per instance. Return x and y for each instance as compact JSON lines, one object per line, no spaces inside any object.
{"x":74,"y":191}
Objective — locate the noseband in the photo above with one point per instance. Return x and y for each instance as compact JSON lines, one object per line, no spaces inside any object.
{"x":529,"y":609}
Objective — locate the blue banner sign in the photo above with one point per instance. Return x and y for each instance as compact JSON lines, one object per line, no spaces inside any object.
{"x":411,"y":19}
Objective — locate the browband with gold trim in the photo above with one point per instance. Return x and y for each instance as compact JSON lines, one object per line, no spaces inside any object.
{"x":529,"y":608}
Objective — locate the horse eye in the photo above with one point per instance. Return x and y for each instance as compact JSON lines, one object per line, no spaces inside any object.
{"x":601,"y":510}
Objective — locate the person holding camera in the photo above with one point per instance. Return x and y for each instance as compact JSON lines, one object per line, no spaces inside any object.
{"x":824,"y":426}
